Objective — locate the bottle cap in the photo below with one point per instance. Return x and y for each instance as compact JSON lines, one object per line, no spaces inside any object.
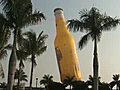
{"x":58,"y":11}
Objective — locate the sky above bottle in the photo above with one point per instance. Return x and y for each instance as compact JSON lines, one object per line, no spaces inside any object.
{"x":108,"y":47}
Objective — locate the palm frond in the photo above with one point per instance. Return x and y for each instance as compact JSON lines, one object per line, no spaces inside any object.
{"x":40,"y":34}
{"x":21,"y":64}
{"x":4,"y":30}
{"x":41,"y":50}
{"x":84,"y":40}
{"x":42,"y":82}
{"x":112,"y":84}
{"x":24,"y":78}
{"x":84,"y":13}
{"x":24,"y":8}
{"x":3,"y":54}
{"x":20,"y":38}
{"x":34,"y":63}
{"x":3,"y":50}
{"x":3,"y":19}
{"x":96,"y":34}
{"x":30,"y":34}
{"x":42,"y":37}
{"x":1,"y":71}
{"x":76,"y":25}
{"x":8,"y":47}
{"x":16,"y":11}
{"x":116,"y":77}
{"x":31,"y":38}
{"x":109,"y":22}
{"x":33,"y":19}
{"x":21,"y":54}
{"x":6,"y":4}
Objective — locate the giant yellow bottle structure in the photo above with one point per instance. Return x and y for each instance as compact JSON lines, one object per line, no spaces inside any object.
{"x":65,"y":49}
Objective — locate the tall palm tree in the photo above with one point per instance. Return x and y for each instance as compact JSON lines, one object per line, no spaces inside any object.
{"x":47,"y":80}
{"x":17,"y":14}
{"x":35,"y":46}
{"x":93,"y":23}
{"x":115,"y":81}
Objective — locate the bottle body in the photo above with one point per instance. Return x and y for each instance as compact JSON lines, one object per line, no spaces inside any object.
{"x":65,"y":50}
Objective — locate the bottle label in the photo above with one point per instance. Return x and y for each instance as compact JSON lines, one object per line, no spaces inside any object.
{"x":59,"y":57}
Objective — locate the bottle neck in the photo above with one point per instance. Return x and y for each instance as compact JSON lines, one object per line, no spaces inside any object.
{"x":60,"y":24}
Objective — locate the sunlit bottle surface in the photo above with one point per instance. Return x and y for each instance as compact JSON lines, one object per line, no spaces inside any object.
{"x":65,"y":49}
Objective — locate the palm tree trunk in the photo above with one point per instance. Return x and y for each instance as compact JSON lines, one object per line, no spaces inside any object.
{"x":95,"y":66}
{"x":18,"y":85}
{"x":31,"y":76}
{"x":12,"y":64}
{"x":70,"y":87}
{"x":117,"y":87}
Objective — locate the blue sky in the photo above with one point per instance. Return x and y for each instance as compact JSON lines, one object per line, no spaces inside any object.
{"x":108,"y":48}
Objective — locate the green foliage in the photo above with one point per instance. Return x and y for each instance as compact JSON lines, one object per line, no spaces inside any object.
{"x":17,"y":14}
{"x":47,"y":79}
{"x":115,"y":81}
{"x":34,"y":45}
{"x":20,"y":74}
{"x":93,"y":23}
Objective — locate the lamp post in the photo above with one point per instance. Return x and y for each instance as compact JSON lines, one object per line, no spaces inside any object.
{"x":36,"y":82}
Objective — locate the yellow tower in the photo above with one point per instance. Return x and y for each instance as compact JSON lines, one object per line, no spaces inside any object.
{"x":65,"y":49}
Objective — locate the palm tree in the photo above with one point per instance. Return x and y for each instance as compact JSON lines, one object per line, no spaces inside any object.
{"x":21,"y":53}
{"x":17,"y":14}
{"x":20,"y":76}
{"x":91,"y":80}
{"x":47,"y":79}
{"x":93,"y":23}
{"x":68,"y":81}
{"x":34,"y":46}
{"x":22,"y":56}
{"x":115,"y":81}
